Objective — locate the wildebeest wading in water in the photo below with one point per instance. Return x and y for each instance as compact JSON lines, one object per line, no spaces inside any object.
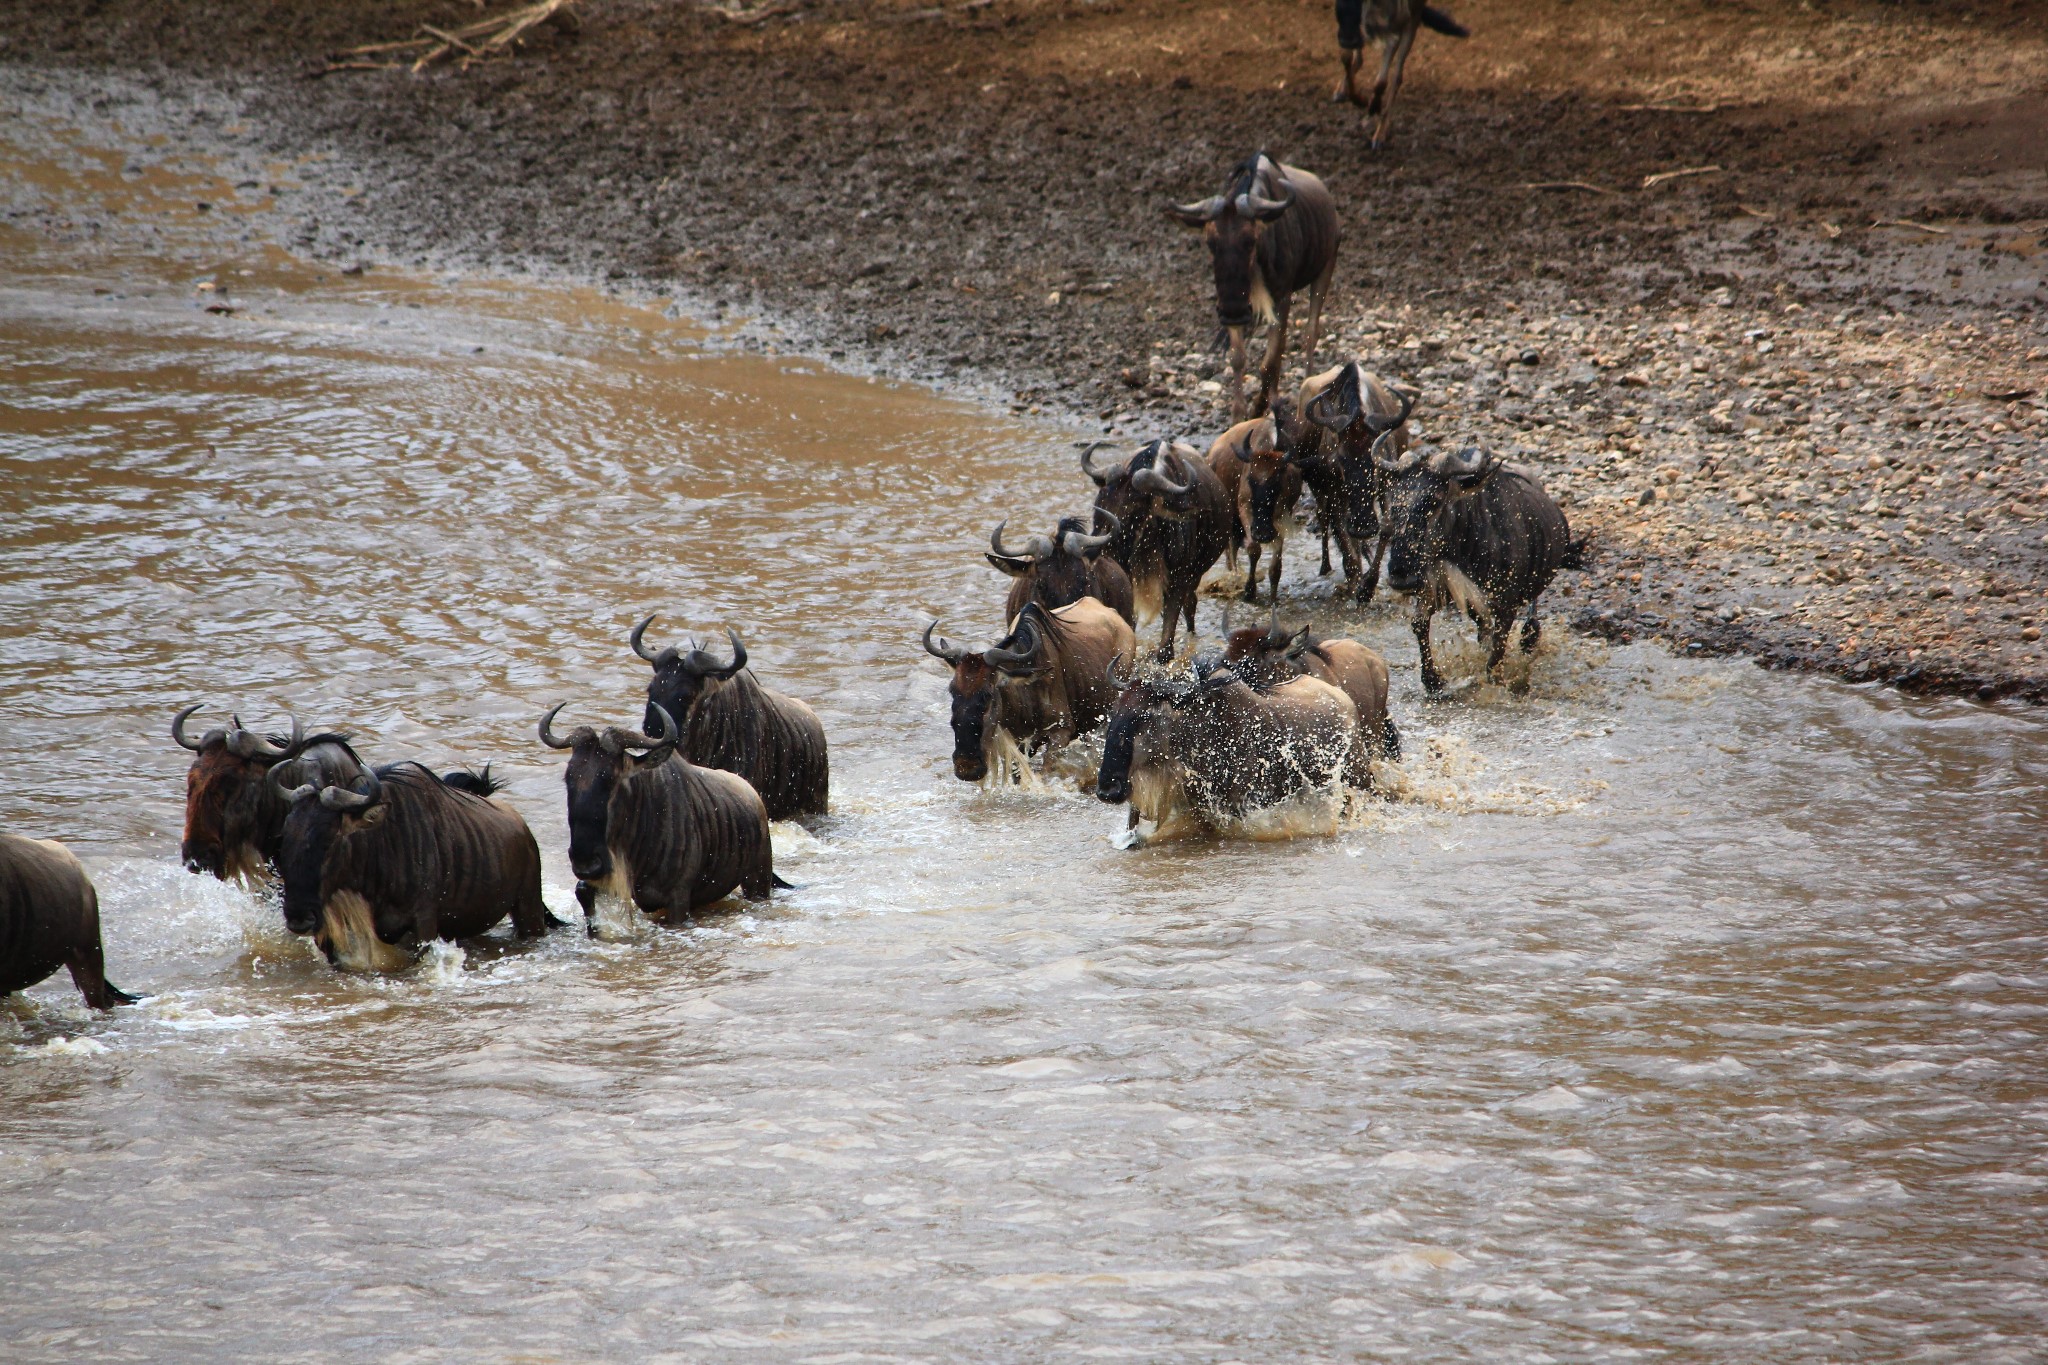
{"x":731,"y":721}
{"x":1271,"y":233}
{"x":655,"y":829}
{"x":234,"y":814}
{"x":1169,"y":522}
{"x":50,"y":918}
{"x":1062,"y":568}
{"x":1345,"y":411}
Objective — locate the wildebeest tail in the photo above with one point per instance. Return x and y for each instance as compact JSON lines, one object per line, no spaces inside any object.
{"x":1443,"y":23}
{"x":116,"y":995}
{"x":1390,"y":740}
{"x":1575,"y":553}
{"x":781,"y":885}
{"x":475,"y":781}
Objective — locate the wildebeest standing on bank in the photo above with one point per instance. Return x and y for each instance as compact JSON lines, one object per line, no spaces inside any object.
{"x":234,"y":815}
{"x":1170,"y":521}
{"x":655,"y":829}
{"x":1251,"y":461}
{"x":1057,"y":570}
{"x":1476,"y":535}
{"x":1266,"y":656}
{"x":1043,"y":684}
{"x":1345,"y":412}
{"x":1216,"y":749}
{"x":379,"y":871}
{"x":50,"y":918}
{"x":731,"y":721}
{"x":1272,"y":232}
{"x":1393,"y":25}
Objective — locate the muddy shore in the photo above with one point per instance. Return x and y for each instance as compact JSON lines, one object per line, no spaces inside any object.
{"x":1798,"y":397}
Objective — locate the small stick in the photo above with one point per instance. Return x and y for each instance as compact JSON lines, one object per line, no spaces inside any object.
{"x":356,"y":66}
{"x":1651,"y":181}
{"x":1568,"y":185}
{"x":368,"y":48}
{"x":1753,"y":211}
{"x":1830,"y":229}
{"x":1670,"y":108}
{"x":448,"y":38}
{"x":1909,"y":223}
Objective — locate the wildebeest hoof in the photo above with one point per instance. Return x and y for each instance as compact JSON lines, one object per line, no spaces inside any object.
{"x":1163,"y":654}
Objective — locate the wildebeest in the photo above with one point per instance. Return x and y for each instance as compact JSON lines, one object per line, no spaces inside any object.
{"x":1214,"y":748}
{"x":1265,"y":656}
{"x":234,"y":817}
{"x":731,"y":721}
{"x":1477,"y":535}
{"x":1251,"y":461}
{"x":655,"y":829}
{"x":377,"y":870}
{"x":1393,"y":25}
{"x":1043,"y":684}
{"x":50,"y":918}
{"x":1062,"y":568}
{"x":1271,"y":232}
{"x":1345,"y":411}
{"x":1169,"y":521}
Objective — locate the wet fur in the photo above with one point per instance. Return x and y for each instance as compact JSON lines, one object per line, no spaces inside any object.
{"x":234,"y":818}
{"x":1167,"y":544}
{"x":50,"y":918}
{"x":774,"y":742}
{"x":683,"y":836}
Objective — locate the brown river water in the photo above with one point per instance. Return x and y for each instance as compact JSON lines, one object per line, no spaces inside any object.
{"x":1676,"y":1010}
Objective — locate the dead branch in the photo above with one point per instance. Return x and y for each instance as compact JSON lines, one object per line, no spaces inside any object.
{"x":1909,"y":223}
{"x":1569,"y":185}
{"x":474,"y":41}
{"x":1651,"y":181}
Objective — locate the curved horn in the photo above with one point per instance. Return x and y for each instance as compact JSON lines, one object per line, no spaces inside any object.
{"x":1080,"y":546}
{"x":739,"y":655}
{"x":1088,"y":448}
{"x":944,"y":649}
{"x":1256,"y":206}
{"x":1199,"y":212}
{"x":249,"y":744}
{"x":1400,"y":465}
{"x":1340,"y":402}
{"x":1114,"y":681}
{"x":1035,"y":548}
{"x":341,"y":798}
{"x":290,"y":795}
{"x":1468,"y":463}
{"x":657,"y":750}
{"x":1116,"y":523}
{"x":1016,"y":660}
{"x":1386,"y":424}
{"x":547,"y":727}
{"x":1154,"y":482}
{"x":178,"y":727}
{"x":635,"y":640}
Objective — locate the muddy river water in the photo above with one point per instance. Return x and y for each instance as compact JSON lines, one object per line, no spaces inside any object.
{"x":1675,"y":1010}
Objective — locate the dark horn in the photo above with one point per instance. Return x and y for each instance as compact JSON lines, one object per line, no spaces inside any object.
{"x":739,"y":655}
{"x":635,"y":640}
{"x":1114,"y":681}
{"x":1088,"y":448}
{"x":290,"y":795}
{"x":944,"y":649}
{"x":1015,"y":660}
{"x":1079,"y":546}
{"x":262,"y":748}
{"x":547,"y":726}
{"x":1394,"y":466}
{"x":341,"y":798}
{"x":1195,"y":214}
{"x":1386,"y":424}
{"x":178,"y":727}
{"x":657,"y":750}
{"x":1035,"y":548}
{"x":1152,"y":481}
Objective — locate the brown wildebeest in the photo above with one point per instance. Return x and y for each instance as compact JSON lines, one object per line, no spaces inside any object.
{"x":1271,"y":233}
{"x":1393,"y":25}
{"x":1477,"y":536}
{"x":1169,"y":522}
{"x":50,"y":918}
{"x":1265,"y":656}
{"x":1062,"y":568}
{"x":1043,"y":684}
{"x":377,"y":871}
{"x":655,"y":829}
{"x":234,"y":817}
{"x":1345,"y":410}
{"x":731,"y":721}
{"x":1251,"y":460}
{"x":1214,"y":748}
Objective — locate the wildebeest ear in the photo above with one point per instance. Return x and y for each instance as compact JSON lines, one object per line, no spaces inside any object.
{"x":1013,"y":567}
{"x":1197,"y":214}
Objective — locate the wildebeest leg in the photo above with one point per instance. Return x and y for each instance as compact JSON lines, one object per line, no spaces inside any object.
{"x":89,"y":974}
{"x":1347,"y":88}
{"x":1317,"y":292}
{"x":1432,"y":681}
{"x":1325,"y":570}
{"x":1532,"y":630}
{"x":1238,"y":339}
{"x":1273,"y":574}
{"x":1497,"y":648}
{"x":1177,"y":604}
{"x":1390,"y":85}
{"x":586,"y":896}
{"x":530,"y":917}
{"x":759,"y":883}
{"x":1370,"y":583}
{"x":1251,"y":571}
{"x":1347,"y":553}
{"x":1276,"y":356}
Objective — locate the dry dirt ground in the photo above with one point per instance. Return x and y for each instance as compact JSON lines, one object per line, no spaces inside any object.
{"x":1796,"y":393}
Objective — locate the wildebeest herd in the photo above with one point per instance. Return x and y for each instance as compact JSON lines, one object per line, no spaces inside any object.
{"x":377,"y":862}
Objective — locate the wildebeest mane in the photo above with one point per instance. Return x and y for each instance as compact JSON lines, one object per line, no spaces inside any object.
{"x":475,"y":781}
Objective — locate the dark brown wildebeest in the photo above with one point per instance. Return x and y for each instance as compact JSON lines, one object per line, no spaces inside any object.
{"x":653,"y":828}
{"x":1169,"y":522}
{"x":1265,"y":656}
{"x":1345,"y":410}
{"x":1475,"y":535}
{"x":234,"y":817}
{"x":50,"y":918}
{"x":1062,"y":568}
{"x":1215,"y":748}
{"x":378,"y":870}
{"x":1251,"y":461}
{"x":1272,"y":232}
{"x":1041,"y":685}
{"x":731,"y":721}
{"x":1393,"y":25}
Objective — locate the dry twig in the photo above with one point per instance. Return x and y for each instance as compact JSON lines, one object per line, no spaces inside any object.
{"x":1568,"y":185}
{"x":1651,"y":181}
{"x":1909,"y":223}
{"x":484,"y":38}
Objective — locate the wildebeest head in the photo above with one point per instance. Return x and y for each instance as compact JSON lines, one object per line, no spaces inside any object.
{"x":1231,"y":223}
{"x":1158,"y":481}
{"x":976,"y":688}
{"x":320,"y":815}
{"x":1266,"y":655}
{"x":1336,"y":410}
{"x":1138,"y":724}
{"x":683,"y":678}
{"x":599,"y":760}
{"x":1423,"y":493}
{"x":1060,"y":561}
{"x":227,"y":803}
